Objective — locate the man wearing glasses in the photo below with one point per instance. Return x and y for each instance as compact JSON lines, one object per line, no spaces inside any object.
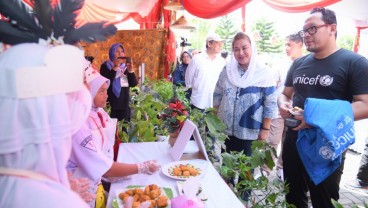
{"x":326,"y":73}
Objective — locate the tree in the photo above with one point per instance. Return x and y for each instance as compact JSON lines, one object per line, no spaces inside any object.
{"x":345,"y":41}
{"x":226,"y":30}
{"x":266,"y":37}
{"x":198,"y":40}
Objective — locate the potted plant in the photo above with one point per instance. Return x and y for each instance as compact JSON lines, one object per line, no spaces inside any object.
{"x":211,"y":129}
{"x":144,"y":120}
{"x":238,"y":167}
{"x":173,"y":118}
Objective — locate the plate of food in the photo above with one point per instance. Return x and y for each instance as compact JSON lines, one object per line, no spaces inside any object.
{"x":296,"y":111}
{"x":182,"y":170}
{"x":159,"y":197}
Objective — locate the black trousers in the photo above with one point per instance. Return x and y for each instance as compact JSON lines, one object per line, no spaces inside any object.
{"x":299,"y":182}
{"x":123,"y":114}
{"x":362,"y":175}
{"x":235,"y":144}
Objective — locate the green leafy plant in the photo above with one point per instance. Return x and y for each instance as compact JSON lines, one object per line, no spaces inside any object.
{"x":238,"y":167}
{"x":209,"y":126}
{"x":163,"y":89}
{"x":146,"y":105}
{"x":144,"y":122}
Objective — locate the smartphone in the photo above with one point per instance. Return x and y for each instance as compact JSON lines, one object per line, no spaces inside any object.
{"x":292,"y":122}
{"x":126,"y":58}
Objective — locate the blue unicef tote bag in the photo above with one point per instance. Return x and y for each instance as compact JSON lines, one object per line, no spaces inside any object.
{"x":332,"y":132}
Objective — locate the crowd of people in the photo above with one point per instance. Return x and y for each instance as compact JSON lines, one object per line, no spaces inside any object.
{"x":59,"y":140}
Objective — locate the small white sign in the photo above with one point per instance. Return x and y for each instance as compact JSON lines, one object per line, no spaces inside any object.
{"x":181,"y":143}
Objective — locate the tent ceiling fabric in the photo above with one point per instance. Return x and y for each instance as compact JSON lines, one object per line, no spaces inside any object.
{"x":143,"y":7}
{"x":208,"y":9}
{"x":116,"y":11}
{"x":295,"y":6}
{"x":97,"y":10}
{"x":113,"y":11}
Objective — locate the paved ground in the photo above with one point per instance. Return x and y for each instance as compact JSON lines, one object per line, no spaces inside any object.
{"x":348,"y":197}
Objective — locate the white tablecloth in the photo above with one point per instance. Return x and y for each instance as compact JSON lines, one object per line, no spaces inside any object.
{"x":219,"y":194}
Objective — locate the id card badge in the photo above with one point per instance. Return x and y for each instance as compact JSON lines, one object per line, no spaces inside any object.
{"x":124,"y":81}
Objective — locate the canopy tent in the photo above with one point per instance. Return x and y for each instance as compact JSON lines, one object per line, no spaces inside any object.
{"x":149,"y":14}
{"x":144,"y":10}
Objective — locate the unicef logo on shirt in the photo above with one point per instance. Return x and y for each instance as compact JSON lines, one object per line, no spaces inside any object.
{"x":326,"y":152}
{"x":326,"y":80}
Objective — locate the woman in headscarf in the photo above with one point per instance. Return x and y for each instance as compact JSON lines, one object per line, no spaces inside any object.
{"x":121,"y":75}
{"x":179,"y":73}
{"x":245,"y":96}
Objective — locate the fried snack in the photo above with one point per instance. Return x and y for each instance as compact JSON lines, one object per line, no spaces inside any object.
{"x":177,"y":172}
{"x":136,"y":204}
{"x":153,"y":203}
{"x":296,"y":109}
{"x":147,"y":190}
{"x":186,"y":173}
{"x":129,"y":192}
{"x":184,"y":167}
{"x":138,"y":191}
{"x":123,"y":196}
{"x":155,"y":193}
{"x":136,"y":197}
{"x":143,"y":198}
{"x":153,"y":187}
{"x":149,"y":194}
{"x":162,"y":201}
{"x":193,"y":171}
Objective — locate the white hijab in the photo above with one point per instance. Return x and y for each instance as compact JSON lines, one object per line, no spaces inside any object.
{"x":257,"y":74}
{"x":36,"y":132}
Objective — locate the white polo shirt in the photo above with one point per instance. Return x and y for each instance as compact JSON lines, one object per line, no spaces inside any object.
{"x":202,"y":75}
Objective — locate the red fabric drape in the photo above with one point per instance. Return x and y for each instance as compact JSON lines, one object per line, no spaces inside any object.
{"x":170,"y":46}
{"x":208,"y":9}
{"x":151,"y":20}
{"x":53,"y":2}
{"x":243,"y":10}
{"x":294,"y":6}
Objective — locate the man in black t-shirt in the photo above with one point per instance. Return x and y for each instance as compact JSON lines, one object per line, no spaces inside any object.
{"x":326,"y":73}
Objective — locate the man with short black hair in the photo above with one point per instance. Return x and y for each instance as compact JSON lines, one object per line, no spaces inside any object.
{"x":293,"y":49}
{"x":326,"y":73}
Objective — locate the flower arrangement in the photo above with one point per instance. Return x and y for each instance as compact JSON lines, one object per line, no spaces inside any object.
{"x":174,"y":116}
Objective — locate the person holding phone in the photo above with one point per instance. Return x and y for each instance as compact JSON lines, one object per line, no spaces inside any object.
{"x":119,"y":70}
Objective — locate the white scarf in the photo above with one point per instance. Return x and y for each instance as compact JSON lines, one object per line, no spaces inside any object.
{"x":257,"y":74}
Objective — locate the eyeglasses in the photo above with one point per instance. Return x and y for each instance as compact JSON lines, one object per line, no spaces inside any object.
{"x":311,"y":30}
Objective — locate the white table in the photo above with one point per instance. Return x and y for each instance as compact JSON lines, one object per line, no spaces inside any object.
{"x":219,"y":194}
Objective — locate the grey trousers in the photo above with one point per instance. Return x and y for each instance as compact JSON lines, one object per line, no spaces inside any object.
{"x":362,"y":175}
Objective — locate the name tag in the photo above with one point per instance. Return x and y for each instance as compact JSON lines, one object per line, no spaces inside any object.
{"x":124,"y":81}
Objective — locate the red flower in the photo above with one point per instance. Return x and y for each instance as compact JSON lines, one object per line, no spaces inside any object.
{"x":174,"y":116}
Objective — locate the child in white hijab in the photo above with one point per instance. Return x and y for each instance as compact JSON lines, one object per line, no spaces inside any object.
{"x":92,"y":152}
{"x":43,"y":102}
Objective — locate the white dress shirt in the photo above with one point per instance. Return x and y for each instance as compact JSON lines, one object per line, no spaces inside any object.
{"x":202,"y":75}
